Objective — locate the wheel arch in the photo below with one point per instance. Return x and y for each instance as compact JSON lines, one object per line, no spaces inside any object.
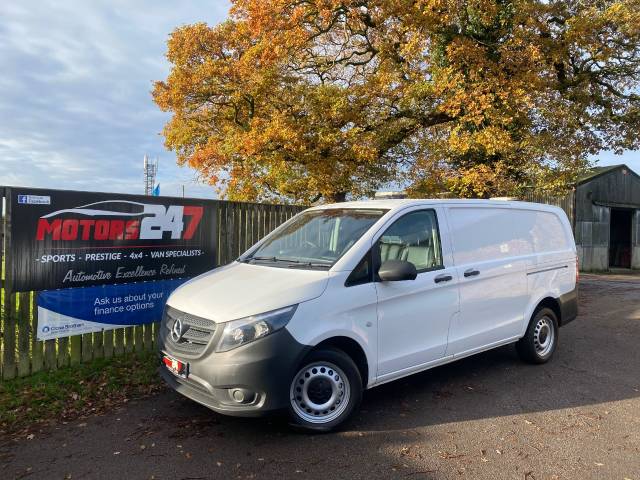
{"x":551,"y":303}
{"x":547,"y":300}
{"x":352,"y":348}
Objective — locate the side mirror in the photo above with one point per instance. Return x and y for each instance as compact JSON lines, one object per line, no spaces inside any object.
{"x":397,"y":270}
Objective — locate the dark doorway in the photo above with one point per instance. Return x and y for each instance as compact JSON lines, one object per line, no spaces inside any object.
{"x":620,"y":238}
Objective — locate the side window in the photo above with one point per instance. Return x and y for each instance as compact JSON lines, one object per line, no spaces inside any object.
{"x":414,"y":238}
{"x":485,"y":234}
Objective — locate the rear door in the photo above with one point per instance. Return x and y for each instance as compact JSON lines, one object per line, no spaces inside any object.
{"x":414,"y":315}
{"x":491,"y":250}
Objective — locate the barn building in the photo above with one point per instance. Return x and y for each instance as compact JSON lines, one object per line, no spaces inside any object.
{"x":606,"y":211}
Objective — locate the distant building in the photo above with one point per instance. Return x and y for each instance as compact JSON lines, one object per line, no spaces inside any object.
{"x":607,"y":219}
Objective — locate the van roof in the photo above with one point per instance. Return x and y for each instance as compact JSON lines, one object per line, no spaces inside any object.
{"x":394,"y":204}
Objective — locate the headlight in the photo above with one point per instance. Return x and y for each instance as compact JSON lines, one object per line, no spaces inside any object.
{"x":245,"y":330}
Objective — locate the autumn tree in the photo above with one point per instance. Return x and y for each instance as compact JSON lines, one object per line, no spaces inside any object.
{"x":322,"y":99}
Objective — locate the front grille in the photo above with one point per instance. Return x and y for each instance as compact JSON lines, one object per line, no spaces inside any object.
{"x":197,"y":332}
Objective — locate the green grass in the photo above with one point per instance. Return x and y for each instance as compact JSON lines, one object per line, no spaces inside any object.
{"x":74,"y":392}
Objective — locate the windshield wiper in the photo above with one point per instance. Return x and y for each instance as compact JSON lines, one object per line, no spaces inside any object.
{"x":304,"y":263}
{"x":270,"y":259}
{"x":299,"y":263}
{"x":291,"y":261}
{"x":263,"y":259}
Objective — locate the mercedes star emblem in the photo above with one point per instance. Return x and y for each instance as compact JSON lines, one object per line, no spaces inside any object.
{"x":176,"y":330}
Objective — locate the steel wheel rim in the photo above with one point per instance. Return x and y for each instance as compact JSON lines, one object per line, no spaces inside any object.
{"x":320,"y":392}
{"x":544,"y":336}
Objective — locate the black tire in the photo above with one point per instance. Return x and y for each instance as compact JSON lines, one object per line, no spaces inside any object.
{"x":332,"y":368}
{"x":531,"y":348}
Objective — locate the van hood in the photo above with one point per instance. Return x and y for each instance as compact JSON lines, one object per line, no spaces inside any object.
{"x":239,"y":289}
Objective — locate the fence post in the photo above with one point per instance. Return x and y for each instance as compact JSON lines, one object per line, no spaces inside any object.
{"x":37,"y":360}
{"x":87,"y":347}
{"x":242,"y":231}
{"x":118,"y":348}
{"x":215,"y":224}
{"x":52,"y":359}
{"x":138,"y":333}
{"x":232,"y":219}
{"x":76,"y":349}
{"x":224,"y":232}
{"x":128,"y":339}
{"x":9,"y":331}
{"x":574,"y":212}
{"x":108,"y":344}
{"x":64,"y":358}
{"x":255,"y":224}
{"x":273,"y":217}
{"x":2,"y":199}
{"x":148,"y":336}
{"x":2,"y":214}
{"x":98,"y":344}
{"x":24,"y":327}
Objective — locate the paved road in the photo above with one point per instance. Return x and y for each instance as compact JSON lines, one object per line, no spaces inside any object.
{"x":488,"y":416}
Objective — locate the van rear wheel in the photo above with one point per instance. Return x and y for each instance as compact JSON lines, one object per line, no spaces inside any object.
{"x":325,"y":391}
{"x":541,"y":339}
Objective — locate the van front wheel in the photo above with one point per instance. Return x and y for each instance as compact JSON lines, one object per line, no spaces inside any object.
{"x":325,"y":391}
{"x":541,"y":338}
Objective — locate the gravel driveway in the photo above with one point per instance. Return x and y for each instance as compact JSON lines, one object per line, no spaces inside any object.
{"x":488,"y":416}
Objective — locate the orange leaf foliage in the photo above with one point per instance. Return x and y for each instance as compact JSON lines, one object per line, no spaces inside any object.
{"x":323,"y":99}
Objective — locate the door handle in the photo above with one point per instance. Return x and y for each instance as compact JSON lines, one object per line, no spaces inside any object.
{"x":471,"y":272}
{"x":443,"y":278}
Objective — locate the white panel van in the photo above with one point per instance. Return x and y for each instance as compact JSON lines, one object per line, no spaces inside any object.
{"x":344,"y":297}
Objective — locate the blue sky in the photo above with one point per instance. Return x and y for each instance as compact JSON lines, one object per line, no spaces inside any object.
{"x":75,"y":104}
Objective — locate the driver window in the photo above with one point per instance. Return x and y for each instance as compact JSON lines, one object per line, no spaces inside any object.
{"x":414,"y":238}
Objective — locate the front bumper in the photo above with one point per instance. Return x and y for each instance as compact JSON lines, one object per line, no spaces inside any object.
{"x":264,"y":367}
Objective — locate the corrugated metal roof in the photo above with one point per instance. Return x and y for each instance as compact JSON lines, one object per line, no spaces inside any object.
{"x":599,"y":171}
{"x":596,"y":171}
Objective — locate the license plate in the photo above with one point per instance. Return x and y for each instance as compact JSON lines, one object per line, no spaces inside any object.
{"x":176,"y":367}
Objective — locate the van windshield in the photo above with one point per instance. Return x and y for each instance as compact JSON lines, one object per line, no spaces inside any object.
{"x":315,"y":239}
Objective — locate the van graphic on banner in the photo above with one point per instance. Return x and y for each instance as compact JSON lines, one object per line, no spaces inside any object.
{"x":80,"y":239}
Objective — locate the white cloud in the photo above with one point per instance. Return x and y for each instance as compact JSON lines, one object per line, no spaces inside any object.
{"x":75,"y":104}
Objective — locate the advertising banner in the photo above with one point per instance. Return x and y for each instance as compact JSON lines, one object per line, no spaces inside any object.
{"x":74,"y":311}
{"x":67,"y":239}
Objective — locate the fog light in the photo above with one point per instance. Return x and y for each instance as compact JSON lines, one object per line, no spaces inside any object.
{"x":242,"y":395}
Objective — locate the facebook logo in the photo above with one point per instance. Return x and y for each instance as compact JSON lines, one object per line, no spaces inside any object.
{"x":34,"y":199}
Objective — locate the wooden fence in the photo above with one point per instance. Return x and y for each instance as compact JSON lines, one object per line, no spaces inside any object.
{"x":240,"y":225}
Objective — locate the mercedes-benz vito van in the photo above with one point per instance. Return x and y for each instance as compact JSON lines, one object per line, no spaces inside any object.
{"x":345,"y":297}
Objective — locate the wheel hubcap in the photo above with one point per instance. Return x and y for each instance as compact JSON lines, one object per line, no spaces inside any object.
{"x":320,"y":392}
{"x":544,"y":336}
